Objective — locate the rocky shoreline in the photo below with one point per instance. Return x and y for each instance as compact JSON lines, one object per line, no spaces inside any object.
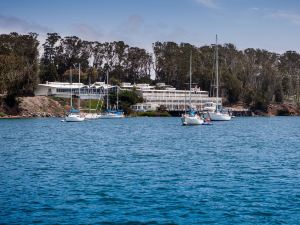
{"x":31,"y":107}
{"x":47,"y":107}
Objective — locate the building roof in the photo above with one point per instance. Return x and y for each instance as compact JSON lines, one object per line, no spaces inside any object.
{"x":75,"y":85}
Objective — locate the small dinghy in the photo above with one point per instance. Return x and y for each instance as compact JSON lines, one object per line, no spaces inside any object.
{"x":207,"y":122}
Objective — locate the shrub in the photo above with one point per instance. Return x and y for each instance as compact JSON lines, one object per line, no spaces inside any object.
{"x":2,"y":114}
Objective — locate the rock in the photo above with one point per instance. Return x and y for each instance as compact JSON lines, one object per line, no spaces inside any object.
{"x":283,"y":110}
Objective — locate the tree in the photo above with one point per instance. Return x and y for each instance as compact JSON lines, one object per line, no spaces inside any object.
{"x":127,"y":99}
{"x":18,"y":63}
{"x":50,"y":60}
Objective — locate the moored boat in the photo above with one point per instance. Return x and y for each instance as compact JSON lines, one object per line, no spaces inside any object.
{"x":74,"y":118}
{"x":74,"y":114}
{"x":217,"y":114}
{"x":91,"y":116}
{"x":111,"y":114}
{"x":191,"y":118}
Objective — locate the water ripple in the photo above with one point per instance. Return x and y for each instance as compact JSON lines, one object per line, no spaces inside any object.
{"x":150,"y":171}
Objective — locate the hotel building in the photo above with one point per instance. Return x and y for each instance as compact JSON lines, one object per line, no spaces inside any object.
{"x":160,"y":95}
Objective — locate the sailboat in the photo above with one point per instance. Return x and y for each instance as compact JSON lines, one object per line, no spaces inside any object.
{"x":91,"y":115}
{"x":191,"y":117}
{"x":217,"y":115}
{"x":74,"y":114}
{"x":111,"y":114}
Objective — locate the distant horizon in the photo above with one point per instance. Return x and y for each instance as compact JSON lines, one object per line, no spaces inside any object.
{"x":246,"y":24}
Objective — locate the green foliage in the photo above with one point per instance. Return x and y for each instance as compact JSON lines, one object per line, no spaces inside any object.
{"x":249,"y":97}
{"x":254,"y":76}
{"x":18,"y":63}
{"x":162,"y":108}
{"x":2,"y":114}
{"x":95,"y":105}
{"x":11,"y":100}
{"x":261,"y":103}
{"x":233,"y":86}
{"x":130,"y":97}
{"x":62,"y":101}
{"x":153,"y":114}
{"x":279,"y":94}
{"x":283,"y":112}
{"x":124,"y":63}
{"x":126,"y":99}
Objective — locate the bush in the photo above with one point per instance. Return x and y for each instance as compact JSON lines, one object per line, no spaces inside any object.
{"x":154,"y":114}
{"x":283,"y":112}
{"x":2,"y":114}
{"x":11,"y":100}
{"x":126,"y":99}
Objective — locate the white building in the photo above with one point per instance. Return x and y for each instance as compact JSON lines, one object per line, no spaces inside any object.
{"x":59,"y":89}
{"x":174,"y":100}
{"x":168,"y":97}
{"x":144,"y":107}
{"x":154,"y":96}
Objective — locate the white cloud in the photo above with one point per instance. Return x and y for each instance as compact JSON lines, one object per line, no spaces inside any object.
{"x":208,"y":3}
{"x":15,"y":24}
{"x":86,"y":32}
{"x":136,"y":31}
{"x":292,"y":17}
{"x":134,"y":24}
{"x":10,"y":24}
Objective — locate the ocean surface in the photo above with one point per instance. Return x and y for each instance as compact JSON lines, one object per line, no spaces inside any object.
{"x":150,"y":171}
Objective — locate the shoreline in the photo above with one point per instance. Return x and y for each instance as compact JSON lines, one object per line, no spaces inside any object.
{"x":47,"y":107}
{"x":132,"y":116}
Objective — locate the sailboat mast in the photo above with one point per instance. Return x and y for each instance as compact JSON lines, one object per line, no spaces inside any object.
{"x":185,"y":101}
{"x":71,"y":102}
{"x":217,"y":72}
{"x":79,"y":73}
{"x":79,"y":87}
{"x":90,"y":94}
{"x":191,"y":81}
{"x":117,"y":98}
{"x":107,"y":90}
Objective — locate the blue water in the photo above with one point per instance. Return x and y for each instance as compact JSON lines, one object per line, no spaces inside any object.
{"x":150,"y":170}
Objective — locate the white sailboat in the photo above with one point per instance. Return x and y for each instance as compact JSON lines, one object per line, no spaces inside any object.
{"x":111,"y":114}
{"x":91,"y":115}
{"x":191,"y":118}
{"x":217,"y":115}
{"x":74,"y":115}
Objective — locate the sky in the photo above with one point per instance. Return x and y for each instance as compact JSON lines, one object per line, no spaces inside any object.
{"x":273,"y":25}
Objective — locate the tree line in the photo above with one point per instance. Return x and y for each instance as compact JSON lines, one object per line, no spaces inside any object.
{"x":124,"y":63}
{"x":255,"y":77}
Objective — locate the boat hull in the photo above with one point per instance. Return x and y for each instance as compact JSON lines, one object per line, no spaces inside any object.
{"x":111,"y":116}
{"x":74,"y":118}
{"x":91,"y":116}
{"x":218,"y":116}
{"x":191,"y":120}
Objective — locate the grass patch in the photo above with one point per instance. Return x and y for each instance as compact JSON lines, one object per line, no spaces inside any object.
{"x":85,"y":104}
{"x":62,"y":101}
